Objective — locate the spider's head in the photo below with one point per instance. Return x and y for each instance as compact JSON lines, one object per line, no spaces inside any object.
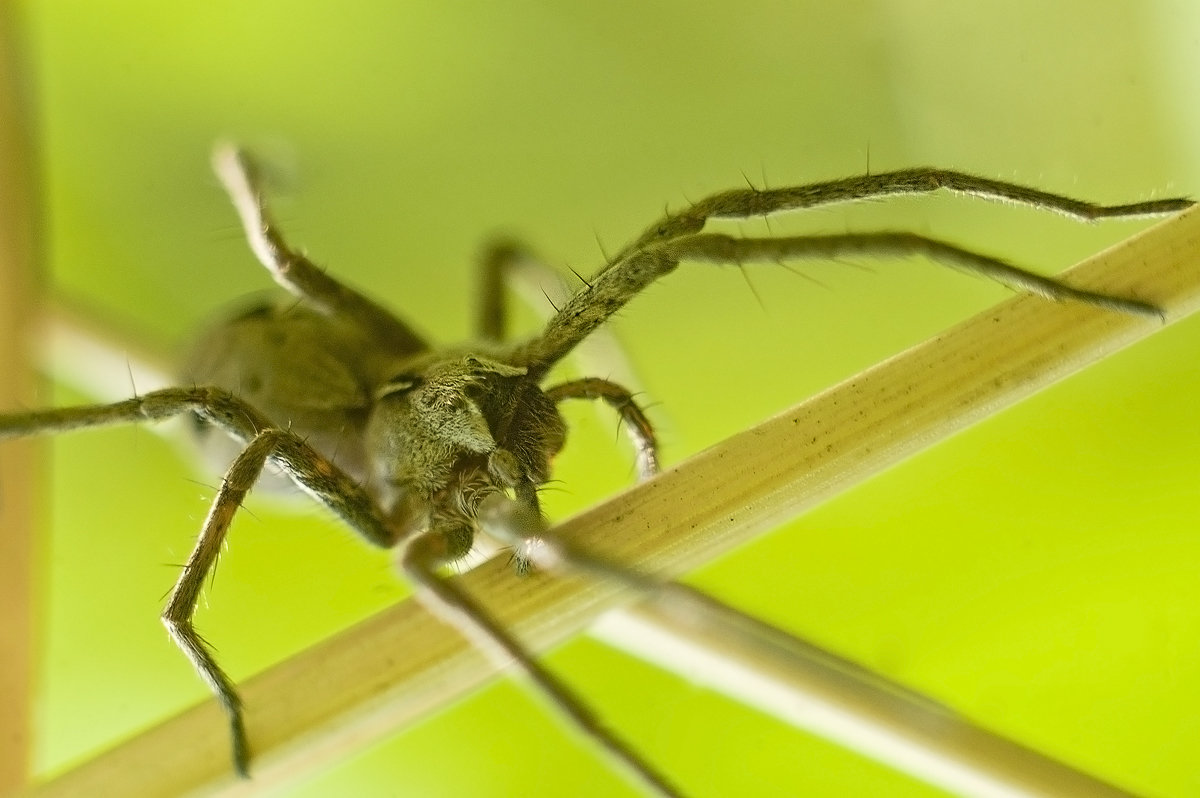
{"x":450,"y":429}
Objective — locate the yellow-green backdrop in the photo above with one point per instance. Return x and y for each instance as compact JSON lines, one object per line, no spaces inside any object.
{"x":1037,"y":573}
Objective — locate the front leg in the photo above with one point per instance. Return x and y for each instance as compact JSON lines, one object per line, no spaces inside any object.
{"x":620,"y":282}
{"x":746,"y":203}
{"x":677,"y":237}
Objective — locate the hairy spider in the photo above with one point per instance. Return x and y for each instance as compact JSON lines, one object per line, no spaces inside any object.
{"x":418,"y":448}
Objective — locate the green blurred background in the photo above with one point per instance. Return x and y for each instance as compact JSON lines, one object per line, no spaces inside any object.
{"x":1036,"y":573}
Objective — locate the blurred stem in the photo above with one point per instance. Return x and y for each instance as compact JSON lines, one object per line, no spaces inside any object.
{"x":18,"y":460}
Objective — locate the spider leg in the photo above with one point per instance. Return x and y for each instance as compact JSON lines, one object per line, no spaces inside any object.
{"x":718,"y":248}
{"x":499,"y":258}
{"x":421,"y":558}
{"x":310,"y":470}
{"x":213,"y":404}
{"x":307,"y":468}
{"x":641,"y":433}
{"x":676,"y":237}
{"x":748,"y":202}
{"x":294,"y":271}
{"x":508,"y":262}
{"x":177,"y":615}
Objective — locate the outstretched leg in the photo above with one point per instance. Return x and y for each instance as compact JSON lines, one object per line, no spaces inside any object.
{"x":677,"y":237}
{"x":309,"y":469}
{"x":293,"y":270}
{"x":749,"y":202}
{"x":718,"y":248}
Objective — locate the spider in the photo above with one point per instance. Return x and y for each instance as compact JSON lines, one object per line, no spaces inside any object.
{"x":417,"y":448}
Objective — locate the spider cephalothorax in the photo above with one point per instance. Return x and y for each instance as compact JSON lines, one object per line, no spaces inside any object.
{"x":450,"y":429}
